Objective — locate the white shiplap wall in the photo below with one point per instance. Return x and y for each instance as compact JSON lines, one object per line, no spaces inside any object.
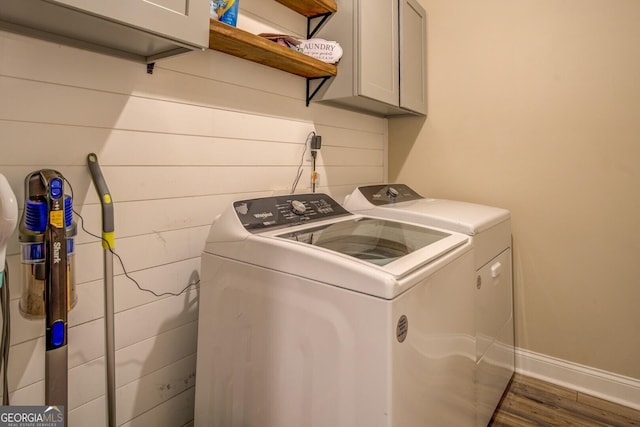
{"x":175,"y":148}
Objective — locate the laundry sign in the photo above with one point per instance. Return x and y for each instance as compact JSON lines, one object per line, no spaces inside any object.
{"x":323,"y":50}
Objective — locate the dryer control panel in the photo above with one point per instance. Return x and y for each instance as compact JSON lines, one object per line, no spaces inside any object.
{"x":388,"y":194}
{"x":281,"y":211}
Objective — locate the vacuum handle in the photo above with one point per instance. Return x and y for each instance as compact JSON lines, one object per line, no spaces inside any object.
{"x":108,"y":226}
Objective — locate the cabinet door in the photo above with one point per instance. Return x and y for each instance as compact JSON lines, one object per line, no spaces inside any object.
{"x":377,"y":60}
{"x":182,"y":20}
{"x":413,"y":52}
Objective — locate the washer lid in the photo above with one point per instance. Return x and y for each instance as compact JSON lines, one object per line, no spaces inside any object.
{"x":401,"y":202}
{"x":398,"y":247}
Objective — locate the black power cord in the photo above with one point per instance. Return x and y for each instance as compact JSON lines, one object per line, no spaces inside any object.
{"x":6,"y":334}
{"x":315,"y":144}
{"x":126,"y":273}
{"x":299,"y":171}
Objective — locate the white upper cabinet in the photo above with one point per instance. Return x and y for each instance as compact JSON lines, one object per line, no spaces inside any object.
{"x":143,"y":30}
{"x":383,"y":69}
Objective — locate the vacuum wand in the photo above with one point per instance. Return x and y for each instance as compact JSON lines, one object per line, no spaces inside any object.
{"x":108,"y":243}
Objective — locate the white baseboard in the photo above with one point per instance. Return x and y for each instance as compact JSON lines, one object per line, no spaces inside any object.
{"x":595,"y":382}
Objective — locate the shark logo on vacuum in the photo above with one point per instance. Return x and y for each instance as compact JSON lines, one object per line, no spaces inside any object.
{"x":56,"y":252}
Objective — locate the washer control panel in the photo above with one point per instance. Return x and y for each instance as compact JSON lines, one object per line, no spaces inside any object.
{"x":282,"y":211}
{"x":388,"y":194}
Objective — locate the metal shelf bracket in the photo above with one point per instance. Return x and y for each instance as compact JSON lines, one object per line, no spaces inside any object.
{"x":322,"y":17}
{"x":312,"y":93}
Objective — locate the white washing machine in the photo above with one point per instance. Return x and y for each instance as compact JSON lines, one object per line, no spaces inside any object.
{"x":490,"y":230}
{"x":311,"y":316}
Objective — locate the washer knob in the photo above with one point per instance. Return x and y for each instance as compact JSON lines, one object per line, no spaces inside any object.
{"x":392,"y":192}
{"x":297,"y":207}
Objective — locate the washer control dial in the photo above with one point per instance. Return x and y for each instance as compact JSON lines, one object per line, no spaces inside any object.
{"x":298,"y":207}
{"x":392,"y":192}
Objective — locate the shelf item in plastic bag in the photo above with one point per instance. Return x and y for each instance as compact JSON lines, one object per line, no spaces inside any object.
{"x":283,"y":40}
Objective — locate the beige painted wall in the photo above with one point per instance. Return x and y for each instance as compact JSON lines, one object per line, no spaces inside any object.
{"x":535,"y":106}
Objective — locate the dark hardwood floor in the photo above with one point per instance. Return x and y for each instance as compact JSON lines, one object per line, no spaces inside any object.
{"x":531,"y":402}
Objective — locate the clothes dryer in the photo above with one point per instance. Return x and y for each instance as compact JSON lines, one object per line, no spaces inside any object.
{"x":490,"y":230}
{"x":313,"y":316}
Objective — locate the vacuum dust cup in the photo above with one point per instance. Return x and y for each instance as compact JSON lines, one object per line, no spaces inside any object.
{"x":33,"y":227}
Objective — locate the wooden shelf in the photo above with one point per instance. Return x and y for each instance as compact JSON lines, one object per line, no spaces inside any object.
{"x":240,"y":43}
{"x":311,"y":8}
